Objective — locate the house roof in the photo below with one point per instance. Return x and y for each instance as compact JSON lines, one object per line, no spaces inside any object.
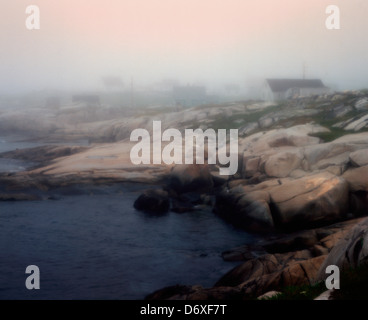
{"x":280,"y":85}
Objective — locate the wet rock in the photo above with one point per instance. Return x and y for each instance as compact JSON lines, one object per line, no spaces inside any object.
{"x":184,"y":178}
{"x":242,"y":253}
{"x":18,"y":197}
{"x":182,"y":206}
{"x":155,"y":201}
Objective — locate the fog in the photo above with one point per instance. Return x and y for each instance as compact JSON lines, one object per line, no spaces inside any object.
{"x":207,"y":42}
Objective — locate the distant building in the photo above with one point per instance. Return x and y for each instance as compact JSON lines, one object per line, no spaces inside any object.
{"x":189,"y":96}
{"x":282,"y":89}
{"x":87,"y":98}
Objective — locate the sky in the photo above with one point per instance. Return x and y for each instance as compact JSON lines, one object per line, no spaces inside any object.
{"x":212,"y":42}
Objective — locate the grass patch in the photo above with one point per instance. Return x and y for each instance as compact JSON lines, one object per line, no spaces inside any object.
{"x":326,"y":121}
{"x":230,"y":122}
{"x":334,"y":134}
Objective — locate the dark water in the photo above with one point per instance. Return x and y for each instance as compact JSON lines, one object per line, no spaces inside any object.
{"x":90,"y":243}
{"x":95,"y":245}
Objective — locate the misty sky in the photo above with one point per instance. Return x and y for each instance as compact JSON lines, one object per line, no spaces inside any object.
{"x":195,"y":41}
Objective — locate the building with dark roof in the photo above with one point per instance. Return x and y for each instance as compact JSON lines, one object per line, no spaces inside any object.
{"x":282,"y":89}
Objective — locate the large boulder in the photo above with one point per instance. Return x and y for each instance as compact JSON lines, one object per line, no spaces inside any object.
{"x":186,"y":178}
{"x":350,"y":252}
{"x":324,"y":155}
{"x":281,"y":164}
{"x":273,"y":272}
{"x":251,"y":166}
{"x":154,"y":201}
{"x":359,"y":158}
{"x":246,"y":210}
{"x":297,"y":136}
{"x":357,"y":179}
{"x":310,"y":201}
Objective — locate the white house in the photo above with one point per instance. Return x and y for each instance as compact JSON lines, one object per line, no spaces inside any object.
{"x":282,"y":89}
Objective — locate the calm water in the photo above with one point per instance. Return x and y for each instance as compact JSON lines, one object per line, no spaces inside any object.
{"x":19,"y":142}
{"x":97,"y":246}
{"x":91,"y":243}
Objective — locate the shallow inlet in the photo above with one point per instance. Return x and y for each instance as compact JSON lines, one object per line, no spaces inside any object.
{"x":92,"y":244}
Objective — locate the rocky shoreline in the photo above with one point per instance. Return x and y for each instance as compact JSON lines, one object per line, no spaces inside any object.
{"x":305,"y":193}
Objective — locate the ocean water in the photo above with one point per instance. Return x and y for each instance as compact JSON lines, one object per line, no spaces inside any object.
{"x":93,"y":244}
{"x":90,"y":243}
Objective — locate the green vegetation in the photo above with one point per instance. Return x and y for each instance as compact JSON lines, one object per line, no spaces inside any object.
{"x":326,"y":121}
{"x":324,"y":115}
{"x":303,"y":292}
{"x":231,"y":122}
{"x":334,"y":134}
